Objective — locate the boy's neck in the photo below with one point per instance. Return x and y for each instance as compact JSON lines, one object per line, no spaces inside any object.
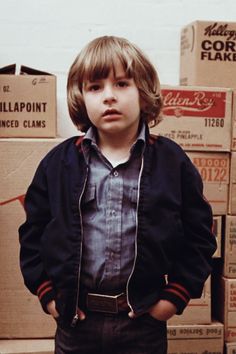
{"x":116,"y":149}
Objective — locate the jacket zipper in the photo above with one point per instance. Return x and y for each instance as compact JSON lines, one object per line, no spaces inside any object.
{"x":136,"y":234}
{"x":76,"y":316}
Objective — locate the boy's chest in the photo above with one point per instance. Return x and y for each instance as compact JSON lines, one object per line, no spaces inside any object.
{"x":110,"y":186}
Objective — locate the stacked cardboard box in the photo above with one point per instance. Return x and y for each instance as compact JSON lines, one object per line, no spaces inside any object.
{"x":21,"y":315}
{"x":27,"y":131}
{"x":27,"y":346}
{"x":232,"y":185}
{"x":27,"y":103}
{"x":208,"y":58}
{"x":195,"y":338}
{"x":230,"y":348}
{"x":225,"y":289}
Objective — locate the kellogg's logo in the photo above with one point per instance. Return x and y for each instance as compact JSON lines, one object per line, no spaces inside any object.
{"x":190,"y":103}
{"x":221,"y":30}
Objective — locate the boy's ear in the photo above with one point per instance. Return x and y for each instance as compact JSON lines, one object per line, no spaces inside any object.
{"x":143,"y":105}
{"x":141,"y":102}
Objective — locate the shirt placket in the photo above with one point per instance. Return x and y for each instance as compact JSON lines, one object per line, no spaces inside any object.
{"x":114,"y":225}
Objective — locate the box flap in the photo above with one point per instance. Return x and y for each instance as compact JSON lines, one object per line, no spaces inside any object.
{"x":25,"y":70}
{"x":9,"y":69}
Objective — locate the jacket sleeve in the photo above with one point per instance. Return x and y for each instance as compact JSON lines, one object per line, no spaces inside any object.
{"x":193,"y":263}
{"x":30,"y":232}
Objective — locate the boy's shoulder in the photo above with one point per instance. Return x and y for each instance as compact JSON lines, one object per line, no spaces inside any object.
{"x":162,"y":142}
{"x":64,"y":148}
{"x":171,"y":153}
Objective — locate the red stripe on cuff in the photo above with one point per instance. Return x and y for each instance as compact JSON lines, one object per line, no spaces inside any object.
{"x":44,"y":292}
{"x":42,"y":286}
{"x":180,"y":287}
{"x":178,"y":294}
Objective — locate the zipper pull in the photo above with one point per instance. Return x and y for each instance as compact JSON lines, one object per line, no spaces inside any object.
{"x":75,"y":320}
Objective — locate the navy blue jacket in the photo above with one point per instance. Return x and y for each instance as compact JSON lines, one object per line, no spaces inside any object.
{"x":174,"y":238}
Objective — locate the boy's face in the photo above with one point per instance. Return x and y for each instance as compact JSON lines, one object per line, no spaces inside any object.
{"x":113,"y":104}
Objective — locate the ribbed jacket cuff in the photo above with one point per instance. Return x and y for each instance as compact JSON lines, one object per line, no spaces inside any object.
{"x":176,"y":294}
{"x":45,"y":294}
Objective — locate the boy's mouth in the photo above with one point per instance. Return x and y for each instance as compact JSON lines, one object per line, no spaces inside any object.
{"x":110,"y":112}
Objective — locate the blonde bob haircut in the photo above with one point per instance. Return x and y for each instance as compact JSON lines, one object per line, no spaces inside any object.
{"x":96,"y":61}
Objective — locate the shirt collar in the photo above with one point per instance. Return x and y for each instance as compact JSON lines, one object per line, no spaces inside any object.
{"x":141,"y":139}
{"x":90,"y":139}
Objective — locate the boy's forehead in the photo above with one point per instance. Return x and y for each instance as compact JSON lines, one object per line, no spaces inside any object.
{"x":114,"y":69}
{"x":120,"y":71}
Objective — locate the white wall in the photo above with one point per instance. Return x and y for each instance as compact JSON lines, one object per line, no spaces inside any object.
{"x":48,"y":34}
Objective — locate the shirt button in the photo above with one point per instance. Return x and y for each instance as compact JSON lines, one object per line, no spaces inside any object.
{"x":115,"y":174}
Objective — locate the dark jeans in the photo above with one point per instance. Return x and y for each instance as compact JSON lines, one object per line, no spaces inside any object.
{"x":113,"y":334}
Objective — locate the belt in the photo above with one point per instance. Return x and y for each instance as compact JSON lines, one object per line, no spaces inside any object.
{"x":112,"y":304}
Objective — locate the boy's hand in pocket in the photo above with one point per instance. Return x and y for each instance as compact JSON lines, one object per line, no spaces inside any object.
{"x":51,"y":307}
{"x":163,"y":310}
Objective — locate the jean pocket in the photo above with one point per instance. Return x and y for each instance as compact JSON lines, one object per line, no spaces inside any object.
{"x":154,"y":320}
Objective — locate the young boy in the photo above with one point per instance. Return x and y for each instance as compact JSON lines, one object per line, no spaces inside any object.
{"x":118,"y":236}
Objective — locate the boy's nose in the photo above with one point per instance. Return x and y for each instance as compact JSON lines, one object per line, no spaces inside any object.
{"x":109,"y":95}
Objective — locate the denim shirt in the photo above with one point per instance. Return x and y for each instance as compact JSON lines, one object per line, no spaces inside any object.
{"x":109,"y":209}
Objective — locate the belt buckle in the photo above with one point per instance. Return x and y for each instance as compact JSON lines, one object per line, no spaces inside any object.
{"x":103,"y":303}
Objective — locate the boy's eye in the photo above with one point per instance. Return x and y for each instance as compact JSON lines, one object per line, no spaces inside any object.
{"x":122,"y":83}
{"x":94,"y":87}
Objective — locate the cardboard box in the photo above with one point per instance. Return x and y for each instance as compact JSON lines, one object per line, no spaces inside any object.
{"x":198,"y":311}
{"x":217,"y":229}
{"x":230,"y":348}
{"x":208,"y":54}
{"x":214,"y":169}
{"x":232,"y":184}
{"x":196,"y":339}
{"x":197,"y":118}
{"x":225,"y":307}
{"x":21,"y":315}
{"x":27,"y":346}
{"x":27,"y":103}
{"x":229,"y":270}
{"x":233,"y":139}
